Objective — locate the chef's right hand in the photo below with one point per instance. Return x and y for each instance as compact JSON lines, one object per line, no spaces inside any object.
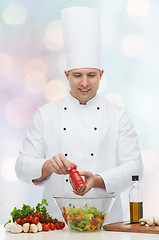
{"x":58,"y":164}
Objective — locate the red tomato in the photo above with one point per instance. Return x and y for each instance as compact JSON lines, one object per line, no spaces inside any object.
{"x":18,"y":220}
{"x":29,"y":219}
{"x":38,"y":214}
{"x":52,"y":226}
{"x":57,"y":225}
{"x":42,"y":224}
{"x":47,"y":219}
{"x":46,"y":227}
{"x":78,"y":217}
{"x":62,"y":225}
{"x":42,"y":219}
{"x":24,"y":220}
{"x":64,"y":209}
{"x":35,"y":220}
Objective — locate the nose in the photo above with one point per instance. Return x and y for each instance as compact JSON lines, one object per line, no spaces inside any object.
{"x":84,"y":81}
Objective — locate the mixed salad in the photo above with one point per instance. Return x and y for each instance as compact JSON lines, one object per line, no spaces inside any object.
{"x":83,"y":219}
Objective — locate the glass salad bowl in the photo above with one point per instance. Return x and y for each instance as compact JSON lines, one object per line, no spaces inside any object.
{"x":85,"y":214}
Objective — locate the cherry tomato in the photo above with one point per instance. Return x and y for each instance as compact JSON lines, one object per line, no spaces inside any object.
{"x":62,"y":225}
{"x":57,"y":225}
{"x":42,"y":219}
{"x":42,"y":224}
{"x":98,"y":219}
{"x":18,"y":220}
{"x":77,"y":217}
{"x":29,"y":219}
{"x":24,"y":220}
{"x":38,"y":214}
{"x":35,"y":220}
{"x":46,"y":227}
{"x":52,"y":226}
{"x":48,"y":219}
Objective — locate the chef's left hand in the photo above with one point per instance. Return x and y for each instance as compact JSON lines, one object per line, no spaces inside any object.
{"x":91,"y":181}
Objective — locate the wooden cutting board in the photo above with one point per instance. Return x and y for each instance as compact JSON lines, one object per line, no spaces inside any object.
{"x":127,"y":227}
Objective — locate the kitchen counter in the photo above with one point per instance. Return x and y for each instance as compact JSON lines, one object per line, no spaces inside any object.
{"x":66,"y":234}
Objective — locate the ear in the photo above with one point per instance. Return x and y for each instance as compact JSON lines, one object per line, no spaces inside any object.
{"x":101,"y":73}
{"x":66,"y":74}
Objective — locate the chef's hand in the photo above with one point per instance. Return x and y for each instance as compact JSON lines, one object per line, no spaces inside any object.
{"x":91,"y":181}
{"x":57,"y":164}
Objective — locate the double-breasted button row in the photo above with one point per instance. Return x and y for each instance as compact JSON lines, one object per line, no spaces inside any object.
{"x":95,"y":128}
{"x":65,"y":108}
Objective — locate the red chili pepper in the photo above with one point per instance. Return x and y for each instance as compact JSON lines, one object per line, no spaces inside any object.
{"x":76,"y":178}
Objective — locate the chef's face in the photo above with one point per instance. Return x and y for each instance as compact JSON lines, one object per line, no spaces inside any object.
{"x":84,"y":83}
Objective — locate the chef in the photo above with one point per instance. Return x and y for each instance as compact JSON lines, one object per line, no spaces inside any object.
{"x":82,"y":128}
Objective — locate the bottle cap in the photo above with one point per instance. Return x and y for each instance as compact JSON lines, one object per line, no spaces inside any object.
{"x":135,"y":178}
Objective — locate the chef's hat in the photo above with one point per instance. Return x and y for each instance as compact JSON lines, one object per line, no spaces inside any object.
{"x":81,"y":35}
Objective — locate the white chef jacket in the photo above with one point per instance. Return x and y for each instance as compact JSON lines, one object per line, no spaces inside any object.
{"x":98,"y":137}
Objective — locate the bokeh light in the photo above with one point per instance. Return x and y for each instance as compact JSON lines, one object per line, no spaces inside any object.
{"x":115,"y":98}
{"x":138,"y":7}
{"x":14,"y":14}
{"x":36,"y":64}
{"x":35,"y":82}
{"x":19,"y":112}
{"x":5,"y":63}
{"x":54,"y":90}
{"x":4,"y":99}
{"x":8,"y":170}
{"x":53,"y":39}
{"x":132,"y":45}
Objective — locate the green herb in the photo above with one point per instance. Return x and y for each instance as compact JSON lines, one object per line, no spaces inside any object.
{"x":7,"y":223}
{"x":27,"y":210}
{"x":21,"y":213}
{"x":41,"y":208}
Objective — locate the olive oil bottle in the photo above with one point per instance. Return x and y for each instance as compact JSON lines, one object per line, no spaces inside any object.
{"x":135,"y":200}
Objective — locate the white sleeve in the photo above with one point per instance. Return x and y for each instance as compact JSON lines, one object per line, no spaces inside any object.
{"x":128,"y":157}
{"x":31,"y":157}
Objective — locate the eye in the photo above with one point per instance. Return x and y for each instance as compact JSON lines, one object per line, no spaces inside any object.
{"x":77,"y":75}
{"x":91,"y":75}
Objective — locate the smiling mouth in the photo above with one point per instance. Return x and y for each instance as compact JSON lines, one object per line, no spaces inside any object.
{"x":84,"y":90}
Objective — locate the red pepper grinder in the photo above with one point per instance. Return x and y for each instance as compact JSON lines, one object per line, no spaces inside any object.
{"x":77,"y":179}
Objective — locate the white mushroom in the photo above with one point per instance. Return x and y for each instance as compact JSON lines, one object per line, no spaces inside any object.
{"x":26,"y":227}
{"x":143,"y":221}
{"x":15,"y":228}
{"x":39,"y":226}
{"x":157,"y":220}
{"x":8,"y":226}
{"x":33,"y":228}
{"x":150,"y":220}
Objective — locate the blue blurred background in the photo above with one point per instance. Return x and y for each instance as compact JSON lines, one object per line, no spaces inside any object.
{"x":31,"y":74}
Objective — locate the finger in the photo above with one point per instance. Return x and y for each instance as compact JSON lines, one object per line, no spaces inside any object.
{"x":55,"y":167}
{"x":85,"y":173}
{"x":66,"y":162}
{"x":58,"y":165}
